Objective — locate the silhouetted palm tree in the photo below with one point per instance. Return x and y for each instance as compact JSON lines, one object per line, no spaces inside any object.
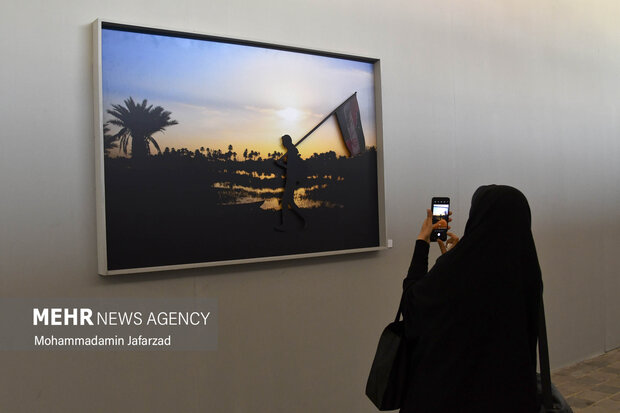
{"x":138,"y":123}
{"x":109,"y":141}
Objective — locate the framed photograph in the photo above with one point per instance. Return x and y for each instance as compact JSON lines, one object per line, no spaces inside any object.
{"x":214,"y":151}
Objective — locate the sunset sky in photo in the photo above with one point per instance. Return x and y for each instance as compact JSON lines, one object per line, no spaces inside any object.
{"x":225,"y":94}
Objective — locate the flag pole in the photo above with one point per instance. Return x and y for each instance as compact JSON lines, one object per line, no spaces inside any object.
{"x":323,"y":121}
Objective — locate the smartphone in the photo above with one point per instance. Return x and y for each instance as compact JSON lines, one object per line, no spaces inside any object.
{"x":441,"y":210}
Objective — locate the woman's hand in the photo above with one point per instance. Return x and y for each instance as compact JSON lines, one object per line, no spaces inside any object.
{"x":449,"y":244}
{"x":428,"y":226}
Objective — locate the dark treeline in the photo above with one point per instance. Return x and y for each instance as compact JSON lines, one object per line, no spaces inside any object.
{"x":221,"y":156}
{"x":216,"y":154}
{"x":209,"y":166}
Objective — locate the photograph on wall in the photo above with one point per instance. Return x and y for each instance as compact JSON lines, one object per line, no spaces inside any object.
{"x":215,"y":150}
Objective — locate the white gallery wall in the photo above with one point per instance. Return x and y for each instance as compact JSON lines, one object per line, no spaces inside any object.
{"x":522,"y":92}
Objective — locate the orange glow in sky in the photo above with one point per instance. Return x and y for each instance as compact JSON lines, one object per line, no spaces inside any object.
{"x":223,"y":94}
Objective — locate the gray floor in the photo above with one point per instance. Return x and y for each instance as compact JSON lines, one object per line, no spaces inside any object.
{"x":592,"y":386}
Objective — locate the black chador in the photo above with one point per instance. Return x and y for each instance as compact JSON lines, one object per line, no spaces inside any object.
{"x":471,"y":322}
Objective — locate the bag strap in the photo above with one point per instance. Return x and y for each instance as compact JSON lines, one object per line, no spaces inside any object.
{"x":400,"y":307}
{"x":398,"y":314}
{"x":543,"y":355}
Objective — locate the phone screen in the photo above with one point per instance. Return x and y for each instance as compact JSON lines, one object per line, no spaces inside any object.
{"x":441,"y":209}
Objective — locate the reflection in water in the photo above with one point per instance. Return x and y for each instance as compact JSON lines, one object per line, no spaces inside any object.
{"x":255,"y":174}
{"x":234,"y":194}
{"x":274,"y":204}
{"x":241,"y":188}
{"x":327,"y":177}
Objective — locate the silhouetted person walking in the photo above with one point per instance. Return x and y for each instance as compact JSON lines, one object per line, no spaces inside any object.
{"x":293,"y":176}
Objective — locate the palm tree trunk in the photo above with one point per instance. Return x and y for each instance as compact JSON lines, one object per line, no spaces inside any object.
{"x":139,"y":149}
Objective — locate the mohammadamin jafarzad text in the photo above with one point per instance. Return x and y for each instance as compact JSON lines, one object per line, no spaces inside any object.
{"x":53,"y":341}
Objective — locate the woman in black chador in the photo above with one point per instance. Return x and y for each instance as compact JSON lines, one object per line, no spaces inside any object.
{"x":471,"y":322}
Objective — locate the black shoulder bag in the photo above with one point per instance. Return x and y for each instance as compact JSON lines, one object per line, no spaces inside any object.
{"x":388,"y":374}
